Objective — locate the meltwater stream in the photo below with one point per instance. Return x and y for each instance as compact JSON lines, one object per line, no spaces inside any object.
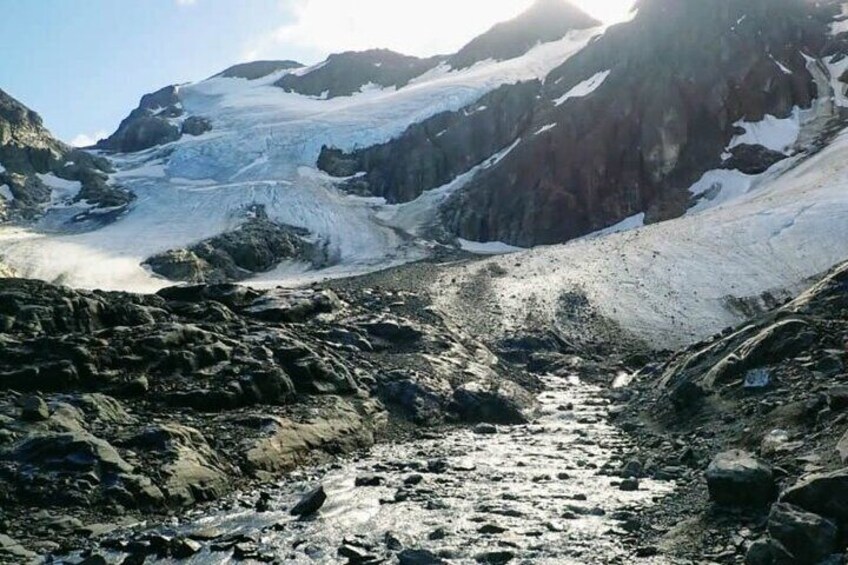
{"x":528,"y":494}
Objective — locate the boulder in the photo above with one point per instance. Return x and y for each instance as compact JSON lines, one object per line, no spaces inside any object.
{"x":34,"y":409}
{"x":419,"y":557}
{"x":809,"y":537}
{"x":825,"y":494}
{"x":310,"y":503}
{"x":768,"y":552}
{"x":737,"y":478}
{"x":488,"y":402}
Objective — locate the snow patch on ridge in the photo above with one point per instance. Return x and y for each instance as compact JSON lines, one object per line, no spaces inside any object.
{"x":585,"y":88}
{"x":777,"y":134}
{"x":488,"y":248}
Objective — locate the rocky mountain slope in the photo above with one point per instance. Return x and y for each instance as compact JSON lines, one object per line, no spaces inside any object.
{"x":544,"y":21}
{"x":753,"y":423}
{"x":38,"y":172}
{"x":117,"y":404}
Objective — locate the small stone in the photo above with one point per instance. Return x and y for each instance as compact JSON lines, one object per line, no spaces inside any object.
{"x":485,"y":429}
{"x":495,"y":557}
{"x":419,"y":557}
{"x":182,"y":548}
{"x":369,"y":481}
{"x":492,"y":529}
{"x":629,"y":485}
{"x":632,"y":470}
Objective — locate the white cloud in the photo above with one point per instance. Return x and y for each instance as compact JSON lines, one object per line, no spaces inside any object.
{"x":416,"y":27}
{"x":186,"y":2}
{"x":86,"y":140}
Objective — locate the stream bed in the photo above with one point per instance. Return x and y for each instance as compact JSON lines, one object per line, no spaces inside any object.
{"x":544,"y":493}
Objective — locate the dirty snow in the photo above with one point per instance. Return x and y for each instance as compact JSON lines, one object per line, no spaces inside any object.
{"x":6,"y":193}
{"x":669,"y":283}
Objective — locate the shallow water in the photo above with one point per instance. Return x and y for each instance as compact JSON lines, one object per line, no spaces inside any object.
{"x":530,"y":481}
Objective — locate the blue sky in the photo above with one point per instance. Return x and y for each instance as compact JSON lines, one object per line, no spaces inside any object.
{"x":84,"y":64}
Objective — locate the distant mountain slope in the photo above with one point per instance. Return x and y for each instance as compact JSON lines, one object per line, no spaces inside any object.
{"x":258,"y":69}
{"x":544,"y":21}
{"x":683,"y":109}
{"x":348,"y":73}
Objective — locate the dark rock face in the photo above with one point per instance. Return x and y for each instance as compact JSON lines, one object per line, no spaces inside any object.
{"x":27,"y":149}
{"x":195,"y":125}
{"x":257,"y":246}
{"x":154,"y":123}
{"x":825,"y":494}
{"x":432,"y":153}
{"x":148,"y":125}
{"x":660,"y":119}
{"x":345,"y":74}
{"x":736,"y":478}
{"x":545,"y":21}
{"x":258,"y":69}
{"x":752,"y":159}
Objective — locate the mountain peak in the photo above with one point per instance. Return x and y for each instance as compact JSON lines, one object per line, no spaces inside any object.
{"x":543,"y":22}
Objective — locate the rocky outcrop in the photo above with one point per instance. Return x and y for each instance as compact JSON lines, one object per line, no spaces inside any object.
{"x":28,"y":153}
{"x":581,"y":167}
{"x":544,"y":21}
{"x":258,"y":69}
{"x":347,"y":73}
{"x":434,"y":152}
{"x":159,"y":119}
{"x":767,"y":401}
{"x":257,"y":246}
{"x":112,"y":402}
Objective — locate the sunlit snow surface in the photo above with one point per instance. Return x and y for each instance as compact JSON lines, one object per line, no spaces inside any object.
{"x":263,"y":150}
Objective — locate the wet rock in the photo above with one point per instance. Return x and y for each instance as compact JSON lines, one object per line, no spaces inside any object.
{"x":500,"y":403}
{"x":193,"y":471}
{"x":182,"y":548}
{"x":356,"y":555}
{"x":737,"y":478}
{"x":11,"y":548}
{"x":492,"y":529}
{"x":629,"y":485}
{"x":494,"y":557}
{"x":34,"y":409}
{"x":413,"y":480}
{"x":485,"y":429}
{"x":632,"y":470}
{"x":808,"y":537}
{"x":310,"y":503}
{"x":419,"y":557}
{"x":369,"y":481}
{"x":825,"y":494}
